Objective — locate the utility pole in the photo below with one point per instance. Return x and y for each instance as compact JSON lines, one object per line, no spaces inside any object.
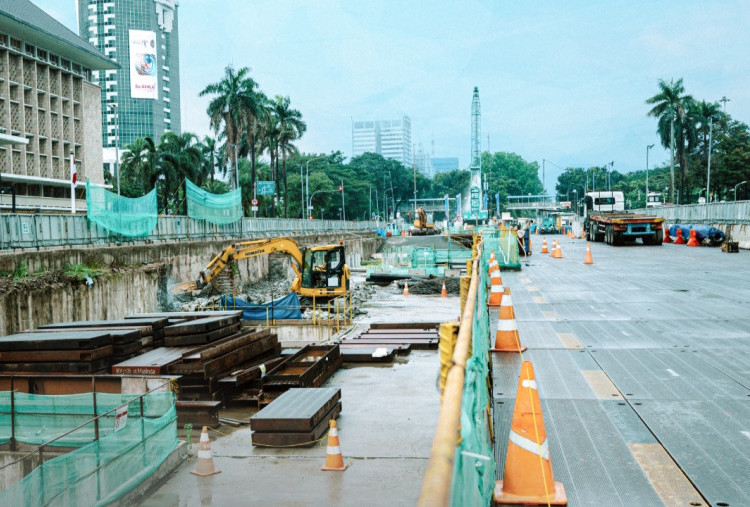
{"x":648,"y":147}
{"x":710,"y":142}
{"x":544,"y":187}
{"x":343,"y":202}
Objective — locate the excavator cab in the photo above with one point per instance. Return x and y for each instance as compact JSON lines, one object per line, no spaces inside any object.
{"x":324,"y":268}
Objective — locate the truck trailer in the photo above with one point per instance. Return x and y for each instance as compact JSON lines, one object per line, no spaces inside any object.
{"x":606,"y":220}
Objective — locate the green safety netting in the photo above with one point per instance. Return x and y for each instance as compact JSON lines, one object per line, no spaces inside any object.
{"x":217,"y":209}
{"x":97,"y":472}
{"x":505,"y":244}
{"x":474,"y":470}
{"x":127,"y":216}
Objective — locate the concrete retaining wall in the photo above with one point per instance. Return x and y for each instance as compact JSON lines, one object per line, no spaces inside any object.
{"x":139,"y":281}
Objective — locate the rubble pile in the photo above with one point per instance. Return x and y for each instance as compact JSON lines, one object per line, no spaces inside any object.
{"x":432,"y":285}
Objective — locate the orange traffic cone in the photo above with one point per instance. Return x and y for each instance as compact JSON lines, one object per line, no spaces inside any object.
{"x":406,"y":288}
{"x":693,"y":241}
{"x":444,"y":292}
{"x":493,"y":265}
{"x":528,"y":478}
{"x":544,"y":246}
{"x":679,"y":240}
{"x":589,"y":259}
{"x":667,"y":239}
{"x":205,"y":464}
{"x":557,"y":252}
{"x":334,"y":459}
{"x":506,"y":337}
{"x":496,"y":289}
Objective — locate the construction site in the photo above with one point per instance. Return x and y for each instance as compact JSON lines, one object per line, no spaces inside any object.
{"x":458,"y":369}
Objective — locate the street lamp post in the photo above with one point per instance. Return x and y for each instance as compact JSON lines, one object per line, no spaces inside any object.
{"x":307,"y":179}
{"x":735,"y":188}
{"x":343,"y":202}
{"x":648,"y":147}
{"x":710,"y":142}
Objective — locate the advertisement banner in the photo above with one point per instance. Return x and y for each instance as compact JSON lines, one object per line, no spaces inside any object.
{"x":144,"y":83}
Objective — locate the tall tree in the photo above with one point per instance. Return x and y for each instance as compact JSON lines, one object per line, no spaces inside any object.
{"x":671,"y":108}
{"x":234,"y":103}
{"x":706,"y":115}
{"x":290,"y":128}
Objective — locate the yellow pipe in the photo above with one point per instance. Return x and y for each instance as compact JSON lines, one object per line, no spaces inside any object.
{"x":438,"y":478}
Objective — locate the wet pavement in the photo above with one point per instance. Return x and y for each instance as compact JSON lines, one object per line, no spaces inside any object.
{"x":643,"y":366}
{"x":385,"y":430}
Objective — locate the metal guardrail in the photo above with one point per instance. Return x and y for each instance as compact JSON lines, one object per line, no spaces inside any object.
{"x":737,"y":212}
{"x":49,"y":230}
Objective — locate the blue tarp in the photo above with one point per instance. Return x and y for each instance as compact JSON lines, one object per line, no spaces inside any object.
{"x":701,"y":232}
{"x":285,"y":308}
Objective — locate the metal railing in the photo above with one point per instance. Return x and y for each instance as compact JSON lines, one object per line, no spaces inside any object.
{"x":737,"y":212}
{"x":50,"y":230}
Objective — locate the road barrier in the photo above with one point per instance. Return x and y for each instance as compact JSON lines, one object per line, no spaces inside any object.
{"x":49,"y":230}
{"x":463,"y":472}
{"x":737,"y":212}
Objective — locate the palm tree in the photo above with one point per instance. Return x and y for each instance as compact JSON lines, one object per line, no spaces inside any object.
{"x":705,"y":113}
{"x":233,"y":105}
{"x":211,"y":159}
{"x":671,"y":108}
{"x":180,"y":157}
{"x":269,"y":130}
{"x":255,"y":120}
{"x":139,"y":167}
{"x":290,"y":128}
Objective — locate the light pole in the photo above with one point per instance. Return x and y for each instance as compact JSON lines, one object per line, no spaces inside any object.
{"x":307,"y":178}
{"x":343,"y":203}
{"x":710,"y":142}
{"x":309,"y":200}
{"x":113,"y":105}
{"x":648,"y":147}
{"x":735,"y":188}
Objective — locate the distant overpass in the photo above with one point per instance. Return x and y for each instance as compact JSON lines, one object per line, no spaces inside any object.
{"x":536,"y":202}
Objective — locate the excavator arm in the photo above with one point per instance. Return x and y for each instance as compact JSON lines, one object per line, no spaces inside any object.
{"x":246,"y":249}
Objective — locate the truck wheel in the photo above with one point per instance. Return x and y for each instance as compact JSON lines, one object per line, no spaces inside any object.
{"x":659,"y":237}
{"x":648,"y":240}
{"x":588,"y":233}
{"x":608,"y":235}
{"x":617,"y":238}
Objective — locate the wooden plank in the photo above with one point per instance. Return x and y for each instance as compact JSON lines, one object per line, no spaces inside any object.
{"x":56,"y":341}
{"x":297,"y":410}
{"x":150,"y":363}
{"x":44,"y":356}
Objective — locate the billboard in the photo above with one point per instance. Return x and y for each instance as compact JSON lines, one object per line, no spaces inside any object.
{"x":144,"y":83}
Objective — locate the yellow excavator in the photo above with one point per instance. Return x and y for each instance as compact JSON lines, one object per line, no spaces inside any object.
{"x":421,"y":227}
{"x":321,"y":271}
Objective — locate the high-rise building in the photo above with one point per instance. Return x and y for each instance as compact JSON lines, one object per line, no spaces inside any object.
{"x":444,"y":165}
{"x":50,"y":111}
{"x":389,"y":138}
{"x":142,"y":98}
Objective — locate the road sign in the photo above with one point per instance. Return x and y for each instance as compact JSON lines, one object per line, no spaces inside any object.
{"x":474,"y":199}
{"x":254,"y":202}
{"x":121,"y":417}
{"x":266,"y":188}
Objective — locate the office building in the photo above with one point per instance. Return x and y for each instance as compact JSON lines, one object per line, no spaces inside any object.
{"x":444,"y":165}
{"x":49,"y":108}
{"x":142,"y":97}
{"x":389,"y":138}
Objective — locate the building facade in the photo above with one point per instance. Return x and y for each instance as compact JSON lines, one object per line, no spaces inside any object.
{"x":444,"y":165}
{"x":50,"y":109}
{"x":142,"y":97}
{"x":389,"y":138}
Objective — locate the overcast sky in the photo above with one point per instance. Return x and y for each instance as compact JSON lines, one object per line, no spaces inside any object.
{"x":563,"y":81}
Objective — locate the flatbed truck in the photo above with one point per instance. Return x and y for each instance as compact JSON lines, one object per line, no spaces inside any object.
{"x":607,"y":221}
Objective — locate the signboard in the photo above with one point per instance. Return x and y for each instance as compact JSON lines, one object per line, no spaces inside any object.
{"x":144,"y":82}
{"x":121,"y":417}
{"x":266,"y":188}
{"x":474,"y":199}
{"x":254,"y":202}
{"x":497,"y":203}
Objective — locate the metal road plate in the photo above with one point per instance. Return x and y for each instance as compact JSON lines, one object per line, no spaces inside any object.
{"x":557,"y":371}
{"x":681,"y":374}
{"x":602,"y":296}
{"x":588,"y":453}
{"x":710,"y":440}
{"x":733,"y":362}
